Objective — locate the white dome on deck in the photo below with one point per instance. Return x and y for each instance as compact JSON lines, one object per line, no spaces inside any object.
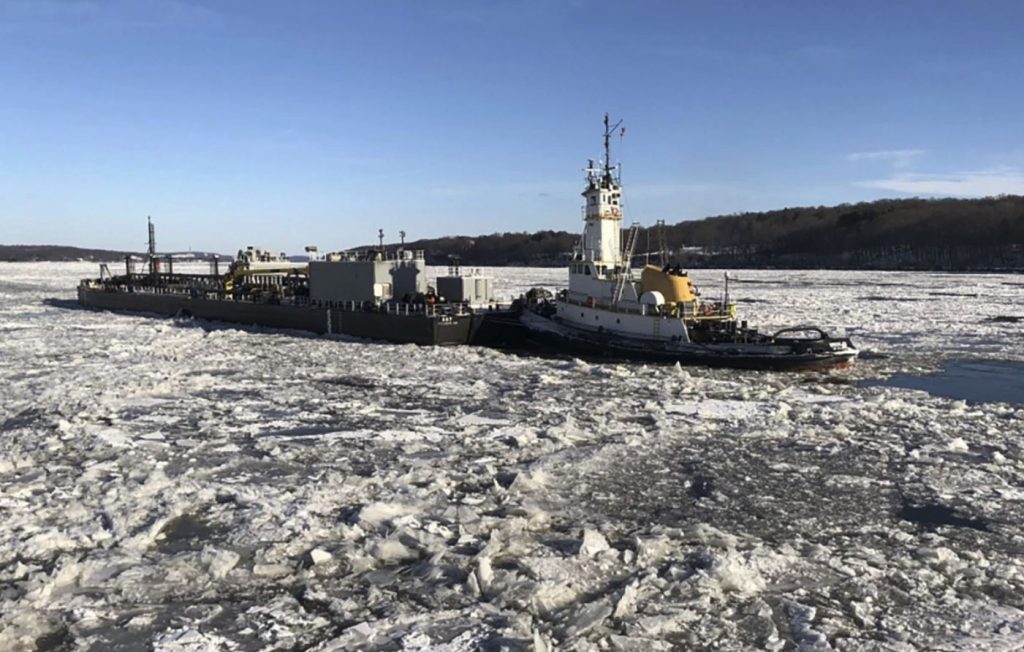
{"x":652,"y":298}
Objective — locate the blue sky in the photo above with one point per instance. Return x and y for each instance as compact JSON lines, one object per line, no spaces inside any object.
{"x":283,"y":124}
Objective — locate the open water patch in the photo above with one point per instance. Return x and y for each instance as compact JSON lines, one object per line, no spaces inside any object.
{"x":933,"y":515}
{"x":975,"y":381}
{"x":1005,"y":319}
{"x":186,"y":532}
{"x":882,"y":297}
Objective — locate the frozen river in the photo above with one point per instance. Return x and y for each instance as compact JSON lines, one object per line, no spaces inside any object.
{"x":176,"y":486}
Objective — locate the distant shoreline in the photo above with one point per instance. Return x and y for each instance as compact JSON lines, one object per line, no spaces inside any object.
{"x":637,"y":264}
{"x":66,"y":254}
{"x":956,"y":235}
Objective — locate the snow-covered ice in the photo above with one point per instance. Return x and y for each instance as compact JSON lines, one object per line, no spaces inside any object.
{"x":173,"y":485}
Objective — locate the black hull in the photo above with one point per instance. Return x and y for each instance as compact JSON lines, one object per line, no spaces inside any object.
{"x":500,"y":329}
{"x":508,"y":332}
{"x":420,"y":329}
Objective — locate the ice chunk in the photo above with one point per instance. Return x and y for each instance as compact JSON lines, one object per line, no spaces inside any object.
{"x":735,"y":574}
{"x":480,"y":420}
{"x":392,"y":551}
{"x":804,"y":634}
{"x":187,"y":639}
{"x":593,"y":543}
{"x":417,"y":641}
{"x":363,"y":631}
{"x":379,"y":513}
{"x":724,"y":409}
{"x":271,"y":570}
{"x":959,"y":445}
{"x":527,"y":482}
{"x":319,"y":556}
{"x":114,"y":437}
{"x":551,"y":596}
{"x":704,"y":533}
{"x":541,"y":643}
{"x":637,"y":644}
{"x":651,"y":550}
{"x":219,"y":562}
{"x":939,"y":557}
{"x":589,"y":616}
{"x":484,"y":574}
{"x":24,"y":630}
{"x":626,"y":606}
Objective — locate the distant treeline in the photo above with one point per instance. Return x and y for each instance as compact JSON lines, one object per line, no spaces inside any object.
{"x":942,"y":234}
{"x":28,"y":253}
{"x":60,"y":253}
{"x":954,"y":234}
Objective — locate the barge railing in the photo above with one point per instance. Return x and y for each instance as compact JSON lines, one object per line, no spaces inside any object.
{"x":196,"y":287}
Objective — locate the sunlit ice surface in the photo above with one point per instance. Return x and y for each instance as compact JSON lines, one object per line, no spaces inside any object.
{"x":181,"y":485}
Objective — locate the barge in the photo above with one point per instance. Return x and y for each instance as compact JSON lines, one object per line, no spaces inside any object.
{"x":377,"y":294}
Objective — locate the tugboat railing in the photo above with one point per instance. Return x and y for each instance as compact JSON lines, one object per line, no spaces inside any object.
{"x":691,"y":310}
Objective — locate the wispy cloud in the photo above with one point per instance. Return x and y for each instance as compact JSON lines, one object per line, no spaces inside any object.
{"x":980,"y":183}
{"x":900,"y":158}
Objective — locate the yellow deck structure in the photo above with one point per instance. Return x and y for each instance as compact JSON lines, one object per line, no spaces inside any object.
{"x":676,"y":288}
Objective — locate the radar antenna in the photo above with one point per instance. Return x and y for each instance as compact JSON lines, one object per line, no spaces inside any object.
{"x":608,"y":131}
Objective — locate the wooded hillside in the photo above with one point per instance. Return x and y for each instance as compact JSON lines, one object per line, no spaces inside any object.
{"x":886,"y":234}
{"x":953,"y":234}
{"x":57,"y":253}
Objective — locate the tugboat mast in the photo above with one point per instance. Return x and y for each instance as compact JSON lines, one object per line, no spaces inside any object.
{"x":608,"y":131}
{"x":600,"y":244}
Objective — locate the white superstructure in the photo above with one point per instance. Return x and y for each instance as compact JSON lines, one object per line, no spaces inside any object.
{"x":603,"y":294}
{"x":598,"y":261}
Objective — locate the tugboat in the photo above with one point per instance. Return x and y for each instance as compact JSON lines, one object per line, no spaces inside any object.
{"x":606,"y":311}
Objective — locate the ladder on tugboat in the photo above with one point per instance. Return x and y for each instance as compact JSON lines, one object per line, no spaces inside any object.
{"x":627,"y":259}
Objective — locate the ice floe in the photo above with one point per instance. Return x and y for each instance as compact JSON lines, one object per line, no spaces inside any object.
{"x":180,"y":486}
